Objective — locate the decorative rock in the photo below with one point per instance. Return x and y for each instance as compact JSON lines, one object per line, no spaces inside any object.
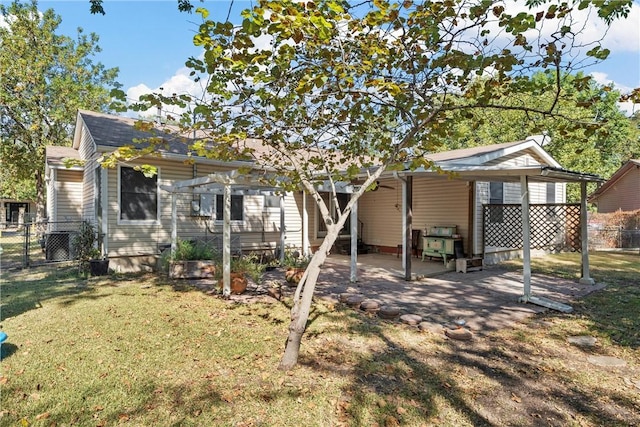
{"x":583,"y":341}
{"x":410,"y":319}
{"x":389,"y":312}
{"x":370,"y":306}
{"x":432,"y":327}
{"x":606,"y":361}
{"x":459,"y":334}
{"x":345,"y":297}
{"x":354,"y":301}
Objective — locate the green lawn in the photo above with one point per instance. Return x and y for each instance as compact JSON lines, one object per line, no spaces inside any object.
{"x":139,"y":350}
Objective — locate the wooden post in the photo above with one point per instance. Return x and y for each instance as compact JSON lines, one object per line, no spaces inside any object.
{"x":526,"y":239}
{"x":407,"y":222}
{"x":226,"y":242}
{"x":305,"y":227}
{"x":584,"y":236}
{"x":174,"y":224}
{"x":354,"y":243}
{"x":283,"y":230}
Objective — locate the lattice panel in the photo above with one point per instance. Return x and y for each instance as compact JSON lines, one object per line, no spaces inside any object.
{"x":554,"y":227}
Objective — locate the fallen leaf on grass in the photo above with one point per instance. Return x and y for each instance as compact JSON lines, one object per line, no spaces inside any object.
{"x":515,"y":398}
{"x":43,"y":416}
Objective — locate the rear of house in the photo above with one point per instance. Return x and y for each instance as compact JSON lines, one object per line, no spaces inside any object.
{"x":133,"y":214}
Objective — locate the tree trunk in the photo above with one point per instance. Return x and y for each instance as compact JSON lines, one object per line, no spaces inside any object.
{"x":302,"y":306}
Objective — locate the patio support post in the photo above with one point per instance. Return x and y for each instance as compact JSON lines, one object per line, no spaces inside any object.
{"x":407,"y":219}
{"x":584,"y":236}
{"x":526,"y":239}
{"x":104,"y":197}
{"x":174,"y":223}
{"x":354,"y":243}
{"x":283,"y":230}
{"x":305,"y":227}
{"x":226,"y":242}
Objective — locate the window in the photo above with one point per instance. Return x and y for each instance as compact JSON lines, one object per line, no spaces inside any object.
{"x":237,"y":208}
{"x":496,"y":197}
{"x":271,"y":202}
{"x":343,"y":199}
{"x":552,"y":211}
{"x":138,"y":196}
{"x":551,"y":192}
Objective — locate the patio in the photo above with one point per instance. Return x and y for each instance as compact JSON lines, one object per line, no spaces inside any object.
{"x":486,"y":300}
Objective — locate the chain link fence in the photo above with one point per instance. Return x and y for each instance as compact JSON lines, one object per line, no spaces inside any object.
{"x":613,"y":238}
{"x":40,"y":243}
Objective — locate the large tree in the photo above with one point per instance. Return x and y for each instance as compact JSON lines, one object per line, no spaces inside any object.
{"x":341,"y":92}
{"x":44,"y":79}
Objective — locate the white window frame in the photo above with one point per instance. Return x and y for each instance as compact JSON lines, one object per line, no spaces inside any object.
{"x":233,"y":221}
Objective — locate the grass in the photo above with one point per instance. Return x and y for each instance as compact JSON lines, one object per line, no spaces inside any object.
{"x":138,"y":350}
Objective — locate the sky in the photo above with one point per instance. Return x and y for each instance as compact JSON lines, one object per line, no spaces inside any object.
{"x":150,"y":41}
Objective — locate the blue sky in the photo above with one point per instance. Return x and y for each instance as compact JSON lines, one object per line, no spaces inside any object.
{"x":149,"y":41}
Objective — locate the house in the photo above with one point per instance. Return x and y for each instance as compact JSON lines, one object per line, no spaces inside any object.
{"x":621,"y":192}
{"x":14,"y":212}
{"x":131,"y":211}
{"x":136,"y":215}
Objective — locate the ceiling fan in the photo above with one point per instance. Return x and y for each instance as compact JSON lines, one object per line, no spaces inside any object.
{"x":376,"y":186}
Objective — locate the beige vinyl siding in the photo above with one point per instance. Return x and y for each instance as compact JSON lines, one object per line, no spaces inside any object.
{"x":435,"y":202}
{"x":258,"y":230}
{"x":380,"y":213}
{"x":623,"y":195}
{"x":515,"y":159}
{"x":68,"y":195}
{"x":443,"y":202}
{"x":87,"y":153}
{"x":293,"y":219}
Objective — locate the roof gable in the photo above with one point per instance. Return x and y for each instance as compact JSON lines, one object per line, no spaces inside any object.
{"x":495,"y":154}
{"x":617,"y":176}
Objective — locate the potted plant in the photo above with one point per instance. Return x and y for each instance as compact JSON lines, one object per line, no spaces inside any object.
{"x":243,"y":268}
{"x":98,"y":266}
{"x":295,"y":265}
{"x":192,"y":260}
{"x":89,"y":257}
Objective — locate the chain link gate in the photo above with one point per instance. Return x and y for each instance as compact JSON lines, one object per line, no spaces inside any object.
{"x":38,"y":243}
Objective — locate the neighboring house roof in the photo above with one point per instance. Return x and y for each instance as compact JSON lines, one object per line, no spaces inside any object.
{"x":617,"y":175}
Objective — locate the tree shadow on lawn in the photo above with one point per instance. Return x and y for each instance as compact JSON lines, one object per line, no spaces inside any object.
{"x":26,"y":290}
{"x":401,"y":384}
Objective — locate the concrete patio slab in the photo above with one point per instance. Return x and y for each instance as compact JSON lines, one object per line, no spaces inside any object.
{"x":486,"y":300}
